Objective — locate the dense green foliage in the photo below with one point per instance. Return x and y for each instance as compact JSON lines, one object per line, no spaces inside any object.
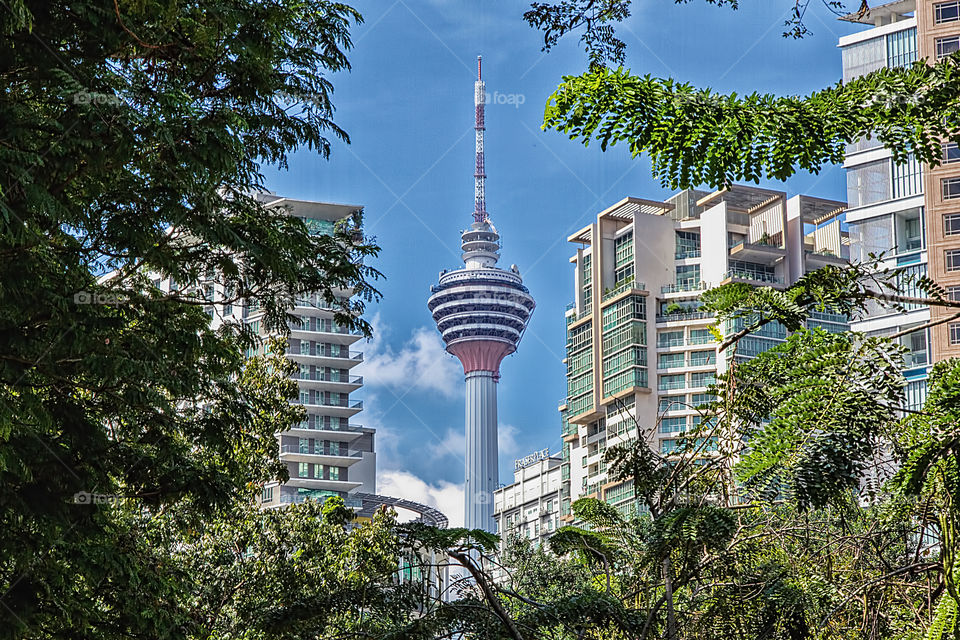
{"x":696,"y":136}
{"x":132,"y":139}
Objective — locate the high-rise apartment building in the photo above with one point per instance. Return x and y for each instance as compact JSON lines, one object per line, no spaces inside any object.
{"x":907,"y":213}
{"x":640,"y":355}
{"x":327,"y":454}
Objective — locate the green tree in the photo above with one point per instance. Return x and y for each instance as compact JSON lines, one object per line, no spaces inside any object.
{"x":133,"y":136}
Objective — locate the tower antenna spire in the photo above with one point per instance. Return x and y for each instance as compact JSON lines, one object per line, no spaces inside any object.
{"x":479,"y":174}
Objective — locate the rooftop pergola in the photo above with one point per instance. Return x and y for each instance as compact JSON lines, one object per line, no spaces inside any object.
{"x":741,"y":198}
{"x":883,"y":14}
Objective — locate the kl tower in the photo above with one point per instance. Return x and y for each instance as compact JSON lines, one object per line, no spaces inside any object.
{"x":481,"y":312}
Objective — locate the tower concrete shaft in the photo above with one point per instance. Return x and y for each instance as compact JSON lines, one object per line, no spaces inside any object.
{"x":481,"y":473}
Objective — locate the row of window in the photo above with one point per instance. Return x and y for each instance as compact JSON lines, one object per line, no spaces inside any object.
{"x":318,"y":471}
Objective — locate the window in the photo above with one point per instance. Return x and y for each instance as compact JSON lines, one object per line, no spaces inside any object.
{"x":334,"y":448}
{"x":947,"y":45}
{"x":946,"y":12}
{"x":698,"y":399}
{"x":688,"y":245}
{"x":669,"y":360}
{"x":304,"y":445}
{"x":673,"y":425}
{"x":868,"y":183}
{"x":701,"y":358}
{"x":951,"y":152}
{"x":863,"y":57}
{"x":334,"y":473}
{"x":951,"y":258}
{"x":873,"y":235}
{"x":676,"y":381}
{"x":909,"y":230}
{"x":950,"y":188}
{"x":704,"y":379}
{"x":953,"y":293}
{"x":673,"y":403}
{"x":670,"y":339}
{"x":267,"y":494}
{"x":318,"y":471}
{"x":700,"y":336}
{"x":955,"y":333}
{"x":902,"y":48}
{"x":907,"y":178}
{"x":303,"y":470}
{"x":668,"y":446}
{"x":688,"y":275}
{"x":951,"y":224}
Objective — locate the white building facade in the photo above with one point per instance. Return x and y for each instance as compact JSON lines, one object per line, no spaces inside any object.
{"x":530,"y":507}
{"x":887,"y":213}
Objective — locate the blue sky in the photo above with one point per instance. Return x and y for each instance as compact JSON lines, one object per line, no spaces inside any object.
{"x":408,"y":107}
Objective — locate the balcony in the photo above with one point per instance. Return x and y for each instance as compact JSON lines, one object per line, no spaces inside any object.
{"x":683,"y":316}
{"x":324,"y":332}
{"x":343,"y":410}
{"x":343,"y":384}
{"x":684,"y":255}
{"x":761,"y":252}
{"x":752,"y":276}
{"x":681,"y":287}
{"x":817,"y":259}
{"x":294,"y":453}
{"x":342,"y":359}
{"x":299,"y":499}
{"x":626,"y":286}
{"x":319,"y":483}
{"x":348,"y":433}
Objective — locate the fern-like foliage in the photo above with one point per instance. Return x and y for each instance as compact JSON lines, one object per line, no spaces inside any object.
{"x":812,"y":411}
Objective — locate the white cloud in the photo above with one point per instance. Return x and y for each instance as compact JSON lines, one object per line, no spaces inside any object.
{"x":507,"y":440}
{"x":454,"y":443}
{"x":421,"y":363}
{"x":445,"y":496}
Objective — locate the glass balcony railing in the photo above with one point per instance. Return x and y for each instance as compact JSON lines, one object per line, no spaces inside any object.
{"x":349,"y":502}
{"x":350,"y":428}
{"x":626,"y":286}
{"x":293,"y":448}
{"x":755,"y":276}
{"x":319,"y":377}
{"x":687,"y":285}
{"x":690,"y":315}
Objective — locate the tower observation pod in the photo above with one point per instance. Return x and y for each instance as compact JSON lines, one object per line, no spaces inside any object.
{"x":481,"y":312}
